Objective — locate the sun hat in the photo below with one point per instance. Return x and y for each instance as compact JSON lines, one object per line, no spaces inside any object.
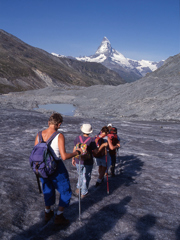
{"x":86,"y":128}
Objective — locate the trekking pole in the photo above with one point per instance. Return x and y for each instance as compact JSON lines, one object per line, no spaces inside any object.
{"x":37,"y":177}
{"x":79,"y":189}
{"x":107,"y":171}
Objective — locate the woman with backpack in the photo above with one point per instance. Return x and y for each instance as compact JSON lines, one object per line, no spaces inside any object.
{"x":85,"y":163}
{"x":59,"y":180}
{"x":104,"y":144}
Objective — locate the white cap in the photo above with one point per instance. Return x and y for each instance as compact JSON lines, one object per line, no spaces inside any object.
{"x":86,"y":128}
{"x":109,"y":125}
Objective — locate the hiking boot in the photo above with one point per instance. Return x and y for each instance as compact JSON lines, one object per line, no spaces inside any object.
{"x":83,"y":196}
{"x":97,"y":184}
{"x":77,"y":192}
{"x":49,"y":215}
{"x":61,"y":220}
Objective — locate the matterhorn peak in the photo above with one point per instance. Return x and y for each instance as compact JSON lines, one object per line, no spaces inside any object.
{"x":129,"y":69}
{"x":105,"y":47}
{"x":105,"y":40}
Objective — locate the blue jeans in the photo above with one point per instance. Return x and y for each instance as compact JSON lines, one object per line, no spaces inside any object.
{"x":85,"y":177}
{"x":58,"y":181}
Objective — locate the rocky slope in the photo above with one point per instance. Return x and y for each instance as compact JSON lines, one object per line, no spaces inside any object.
{"x":24,"y":67}
{"x":154,"y":97}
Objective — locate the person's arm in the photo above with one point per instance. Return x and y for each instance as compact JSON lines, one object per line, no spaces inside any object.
{"x":73,"y":159}
{"x":102,"y":146}
{"x":62,"y":150}
{"x":97,"y":150}
{"x":111,"y":145}
{"x":36,"y":140}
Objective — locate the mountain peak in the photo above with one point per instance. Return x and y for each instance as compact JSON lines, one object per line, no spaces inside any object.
{"x":105,"y":47}
{"x":105,"y":39}
{"x":129,"y":69}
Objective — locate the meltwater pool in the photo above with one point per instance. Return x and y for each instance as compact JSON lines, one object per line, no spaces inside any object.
{"x":65,"y":109}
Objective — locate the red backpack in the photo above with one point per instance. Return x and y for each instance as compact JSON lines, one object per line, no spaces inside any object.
{"x":114,"y":139}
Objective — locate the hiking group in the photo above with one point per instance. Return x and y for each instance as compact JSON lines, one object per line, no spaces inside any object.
{"x":49,"y":151}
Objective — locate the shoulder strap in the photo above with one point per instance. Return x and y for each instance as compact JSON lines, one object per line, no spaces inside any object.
{"x":40,"y":136}
{"x":52,"y":137}
{"x":87,"y":140}
{"x":80,"y":137}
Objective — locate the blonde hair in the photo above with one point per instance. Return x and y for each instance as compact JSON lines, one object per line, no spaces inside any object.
{"x":55,"y":119}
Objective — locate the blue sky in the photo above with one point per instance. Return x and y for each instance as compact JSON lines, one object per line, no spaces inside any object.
{"x":139,"y":29}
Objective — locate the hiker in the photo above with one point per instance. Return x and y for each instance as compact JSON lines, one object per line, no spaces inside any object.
{"x":109,"y":126}
{"x":103,"y":138}
{"x":115,"y":140}
{"x":86,"y":163}
{"x":59,"y":180}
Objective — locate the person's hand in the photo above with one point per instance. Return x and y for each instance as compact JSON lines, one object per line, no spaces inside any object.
{"x":73,"y":162}
{"x":80,"y":151}
{"x":118,"y":145}
{"x":105,"y":144}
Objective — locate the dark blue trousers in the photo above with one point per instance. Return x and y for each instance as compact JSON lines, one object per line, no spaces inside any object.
{"x":58,"y":181}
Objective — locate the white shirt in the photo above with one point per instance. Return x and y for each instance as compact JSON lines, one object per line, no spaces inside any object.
{"x":54,"y":146}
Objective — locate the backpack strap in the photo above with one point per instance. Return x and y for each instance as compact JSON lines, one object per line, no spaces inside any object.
{"x":52,"y":137}
{"x":40,"y":136}
{"x":87,"y":140}
{"x":80,"y":138}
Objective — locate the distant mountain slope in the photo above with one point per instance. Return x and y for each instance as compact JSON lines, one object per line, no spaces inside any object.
{"x":23,"y":67}
{"x":130,"y":70}
{"x":170,"y":69}
{"x":154,"y":97}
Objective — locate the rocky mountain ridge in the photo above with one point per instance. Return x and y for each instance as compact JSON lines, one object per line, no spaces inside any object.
{"x":23,"y":67}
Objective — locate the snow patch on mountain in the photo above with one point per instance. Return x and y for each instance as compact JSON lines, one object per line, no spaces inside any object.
{"x":58,"y":55}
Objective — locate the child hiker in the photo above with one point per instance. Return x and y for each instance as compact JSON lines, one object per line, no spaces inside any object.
{"x":86,"y":163}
